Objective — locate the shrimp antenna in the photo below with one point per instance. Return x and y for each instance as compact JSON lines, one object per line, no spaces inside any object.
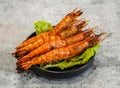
{"x":102,"y":33}
{"x":108,"y":35}
{"x":86,"y":20}
{"x":74,"y":10}
{"x":85,"y":24}
{"x":81,"y":10}
{"x":94,"y":28}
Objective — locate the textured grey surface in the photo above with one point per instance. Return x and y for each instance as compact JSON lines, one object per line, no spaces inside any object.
{"x":16,"y":23}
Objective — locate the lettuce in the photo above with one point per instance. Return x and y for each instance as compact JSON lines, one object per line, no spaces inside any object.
{"x":78,"y":60}
{"x":42,"y":26}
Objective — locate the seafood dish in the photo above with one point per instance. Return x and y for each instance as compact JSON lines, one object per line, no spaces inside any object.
{"x":68,"y":39}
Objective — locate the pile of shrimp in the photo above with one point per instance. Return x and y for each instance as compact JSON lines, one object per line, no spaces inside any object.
{"x":67,"y":39}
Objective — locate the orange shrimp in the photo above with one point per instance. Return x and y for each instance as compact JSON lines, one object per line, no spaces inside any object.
{"x":74,"y":28}
{"x":23,"y":51}
{"x":56,"y":30}
{"x":57,"y":43}
{"x":62,"y":53}
{"x":78,"y":26}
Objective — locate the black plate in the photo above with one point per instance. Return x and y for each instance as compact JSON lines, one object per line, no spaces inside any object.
{"x":57,"y":73}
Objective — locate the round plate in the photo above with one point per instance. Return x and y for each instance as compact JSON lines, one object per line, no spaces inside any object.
{"x":57,"y":73}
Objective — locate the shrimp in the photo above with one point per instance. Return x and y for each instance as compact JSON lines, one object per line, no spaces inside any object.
{"x":62,"y":53}
{"x":57,"y":29}
{"x":74,"y":28}
{"x":77,"y":26}
{"x":57,"y":43}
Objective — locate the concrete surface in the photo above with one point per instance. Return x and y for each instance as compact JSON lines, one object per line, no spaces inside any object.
{"x":16,"y":23}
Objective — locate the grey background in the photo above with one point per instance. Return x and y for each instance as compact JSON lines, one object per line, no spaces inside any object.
{"x":16,"y":23}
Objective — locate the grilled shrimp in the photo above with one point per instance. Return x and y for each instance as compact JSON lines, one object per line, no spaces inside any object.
{"x":56,"y":30}
{"x":62,"y":53}
{"x":57,"y":43}
{"x":77,"y":27}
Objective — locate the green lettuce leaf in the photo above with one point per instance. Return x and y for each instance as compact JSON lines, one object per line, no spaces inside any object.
{"x":78,"y":60}
{"x":42,"y":26}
